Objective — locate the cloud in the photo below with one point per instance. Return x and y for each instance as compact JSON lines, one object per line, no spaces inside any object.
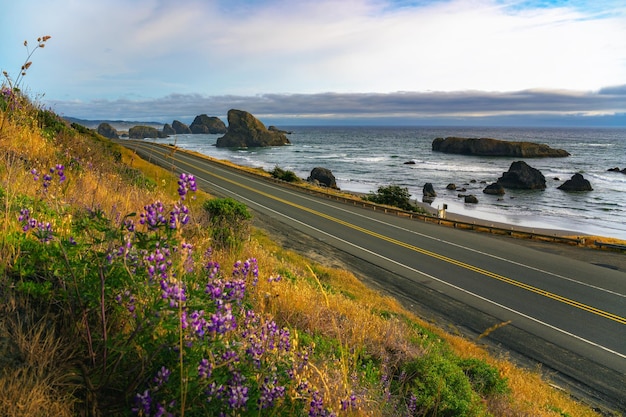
{"x":349,"y":106}
{"x":152,"y":48}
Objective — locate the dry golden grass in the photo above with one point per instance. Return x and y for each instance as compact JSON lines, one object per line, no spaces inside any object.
{"x":35,"y":379}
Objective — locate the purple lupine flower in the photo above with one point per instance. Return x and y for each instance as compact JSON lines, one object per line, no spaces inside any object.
{"x":316,"y":406}
{"x":153,"y":216}
{"x":42,"y":230}
{"x":237,"y":392}
{"x":162,"y":377}
{"x":222,"y":320}
{"x":270,"y":393}
{"x":213,"y":268}
{"x":226,"y":291}
{"x":179,"y":216}
{"x":186,"y":183}
{"x":174,"y":292}
{"x":350,"y":403}
{"x":129,"y":225}
{"x":127,"y":300}
{"x":205,"y":369}
{"x":35,"y":174}
{"x":412,"y":405}
{"x":60,"y":169}
{"x":143,"y":403}
{"x":195,"y":322}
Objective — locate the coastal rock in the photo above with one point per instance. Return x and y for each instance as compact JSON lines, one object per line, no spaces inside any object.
{"x":471,"y":199}
{"x":246,"y":131}
{"x":180,"y":128}
{"x":168,"y":130}
{"x":522,"y":176}
{"x":576,"y":183}
{"x":275,"y":129}
{"x":410,"y":163}
{"x":451,"y":186}
{"x":107,"y":131}
{"x":429,"y":190}
{"x":616,"y":169}
{"x":495,"y":147}
{"x":494,"y":189}
{"x":204,"y":124}
{"x":141,"y":132}
{"x":323,"y":176}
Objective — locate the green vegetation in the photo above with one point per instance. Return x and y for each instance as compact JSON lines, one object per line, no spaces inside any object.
{"x":229,"y":222}
{"x":122,"y":293}
{"x":392,"y":195}
{"x":284,"y":175}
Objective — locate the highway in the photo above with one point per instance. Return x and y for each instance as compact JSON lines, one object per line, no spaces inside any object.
{"x":568,"y":315}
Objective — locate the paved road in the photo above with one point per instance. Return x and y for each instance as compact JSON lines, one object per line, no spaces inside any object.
{"x":566,"y":314}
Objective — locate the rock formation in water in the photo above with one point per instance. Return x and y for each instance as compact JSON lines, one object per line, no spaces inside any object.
{"x":107,"y":131}
{"x":168,"y":130}
{"x":495,"y":147}
{"x":180,"y":128}
{"x":246,"y":131}
{"x":141,"y":132}
{"x":576,"y":183}
{"x":522,"y":176}
{"x":204,"y":124}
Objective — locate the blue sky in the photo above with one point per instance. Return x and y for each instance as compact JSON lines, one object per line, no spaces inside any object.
{"x":469,"y":61}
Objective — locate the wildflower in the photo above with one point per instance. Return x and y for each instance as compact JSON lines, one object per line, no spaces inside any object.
{"x":162,"y":376}
{"x":186,"y":183}
{"x":174,"y":292}
{"x":350,"y":403}
{"x":213,"y":269}
{"x":237,"y":392}
{"x":179,"y":216}
{"x":153,"y":216}
{"x":205,"y":369}
{"x":143,"y":403}
{"x":270,"y":392}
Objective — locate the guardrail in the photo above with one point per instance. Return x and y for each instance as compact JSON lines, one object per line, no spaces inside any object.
{"x":610,"y":246}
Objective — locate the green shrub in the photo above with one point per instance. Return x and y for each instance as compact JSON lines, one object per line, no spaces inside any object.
{"x":392,"y":195}
{"x":485,"y":379}
{"x":281,"y":174}
{"x":229,"y":222}
{"x":436,"y":385}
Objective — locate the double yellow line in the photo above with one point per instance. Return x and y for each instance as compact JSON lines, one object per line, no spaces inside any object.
{"x":539,"y":291}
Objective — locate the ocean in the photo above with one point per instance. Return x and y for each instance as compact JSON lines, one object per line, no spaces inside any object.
{"x":365,"y":158}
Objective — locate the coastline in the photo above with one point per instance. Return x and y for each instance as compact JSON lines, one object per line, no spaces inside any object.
{"x":545,"y":231}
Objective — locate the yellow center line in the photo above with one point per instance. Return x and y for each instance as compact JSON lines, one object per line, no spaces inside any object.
{"x":539,"y":291}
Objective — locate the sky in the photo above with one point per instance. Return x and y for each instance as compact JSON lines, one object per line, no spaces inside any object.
{"x":520,"y":62}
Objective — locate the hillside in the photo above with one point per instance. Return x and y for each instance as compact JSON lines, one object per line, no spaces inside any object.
{"x":129,"y":291}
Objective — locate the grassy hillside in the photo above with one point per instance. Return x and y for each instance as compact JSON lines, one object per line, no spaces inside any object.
{"x":126,"y":291}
